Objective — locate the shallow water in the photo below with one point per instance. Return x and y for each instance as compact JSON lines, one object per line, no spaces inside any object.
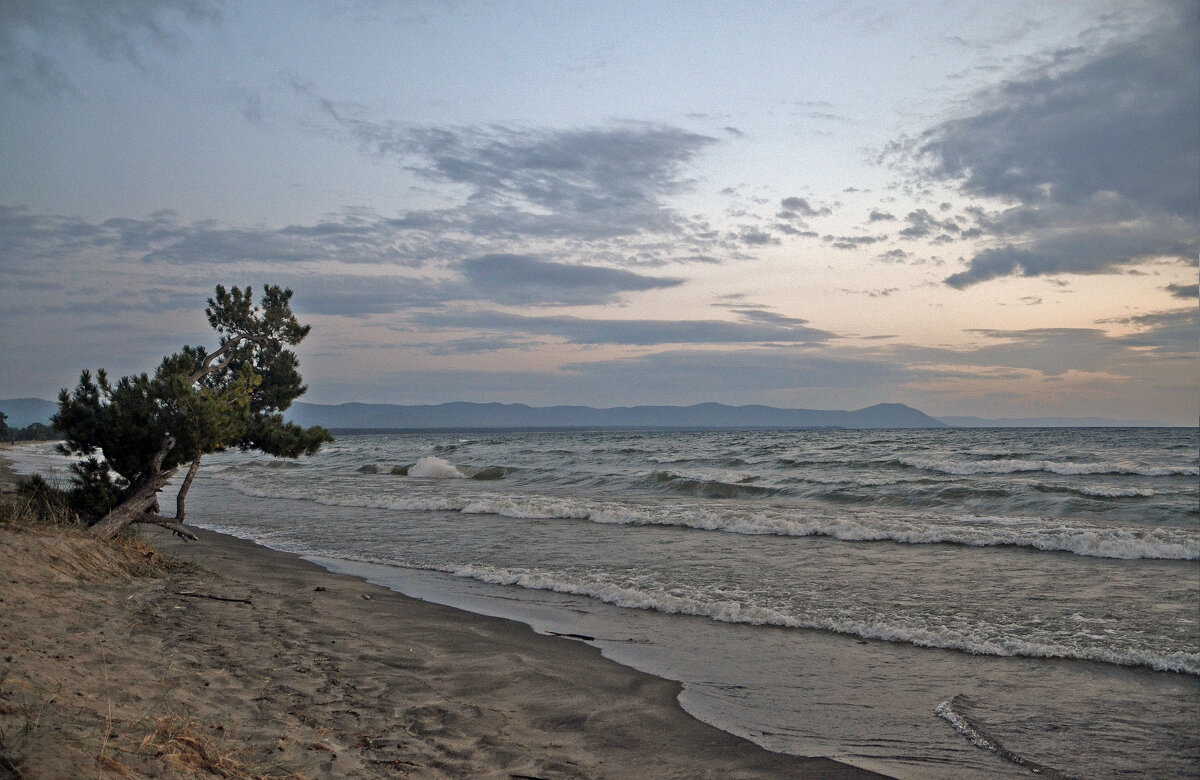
{"x":942,"y":603}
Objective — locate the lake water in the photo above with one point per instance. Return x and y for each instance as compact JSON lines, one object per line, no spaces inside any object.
{"x":927,"y":603}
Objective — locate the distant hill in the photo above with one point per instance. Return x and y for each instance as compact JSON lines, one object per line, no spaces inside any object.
{"x":708,"y":415}
{"x":23,"y":412}
{"x":1050,"y":422}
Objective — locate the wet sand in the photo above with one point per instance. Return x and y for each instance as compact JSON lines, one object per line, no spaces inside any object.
{"x":259,"y":664}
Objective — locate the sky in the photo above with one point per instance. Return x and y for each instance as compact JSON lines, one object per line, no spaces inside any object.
{"x":974,"y":208}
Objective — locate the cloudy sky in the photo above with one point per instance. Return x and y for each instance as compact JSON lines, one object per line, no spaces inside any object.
{"x":971,"y":207}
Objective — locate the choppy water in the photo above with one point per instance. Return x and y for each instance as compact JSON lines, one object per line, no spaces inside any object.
{"x":940,"y":603}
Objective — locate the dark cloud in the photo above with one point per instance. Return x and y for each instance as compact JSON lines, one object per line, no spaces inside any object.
{"x":1159,"y":336}
{"x":755,"y":237}
{"x":791,"y":230}
{"x":852,"y":242}
{"x":1184,"y":290}
{"x":1099,"y":248}
{"x":522,"y":280}
{"x":880,"y":216}
{"x":1100,"y":157}
{"x":756,"y":327}
{"x":921,"y":224}
{"x":800,"y":207}
{"x":33,"y":34}
{"x":1171,"y":332}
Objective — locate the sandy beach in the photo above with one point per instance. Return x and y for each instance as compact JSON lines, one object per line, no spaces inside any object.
{"x":230,"y":659}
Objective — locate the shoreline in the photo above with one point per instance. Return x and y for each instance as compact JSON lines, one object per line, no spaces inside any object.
{"x":299,"y":670}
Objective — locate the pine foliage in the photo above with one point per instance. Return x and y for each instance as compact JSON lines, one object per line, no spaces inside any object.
{"x":143,"y":427}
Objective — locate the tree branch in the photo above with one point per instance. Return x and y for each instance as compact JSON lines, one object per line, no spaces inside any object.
{"x":183,"y":489}
{"x":207,"y":367}
{"x":156,"y":464}
{"x":167,"y":523}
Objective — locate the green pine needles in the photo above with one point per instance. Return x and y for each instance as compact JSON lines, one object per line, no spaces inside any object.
{"x":147,"y":427}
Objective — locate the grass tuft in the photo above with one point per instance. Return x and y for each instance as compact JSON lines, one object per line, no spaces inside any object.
{"x":184,"y":744}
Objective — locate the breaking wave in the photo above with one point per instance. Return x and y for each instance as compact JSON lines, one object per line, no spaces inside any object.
{"x":981,"y":738}
{"x":434,"y":468}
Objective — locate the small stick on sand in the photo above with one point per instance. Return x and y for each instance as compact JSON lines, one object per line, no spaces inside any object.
{"x":193,"y":595}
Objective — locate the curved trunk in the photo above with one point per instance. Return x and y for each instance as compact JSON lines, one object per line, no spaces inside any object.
{"x":141,"y":506}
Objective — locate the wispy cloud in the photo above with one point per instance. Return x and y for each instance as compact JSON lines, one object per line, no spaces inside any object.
{"x":523,"y":280}
{"x":754,"y":327}
{"x":34,"y":32}
{"x":35,"y":248}
{"x":590,"y":184}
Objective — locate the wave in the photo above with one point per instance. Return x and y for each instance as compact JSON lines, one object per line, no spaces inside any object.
{"x":431,"y":467}
{"x":981,"y":641}
{"x":999,"y":452}
{"x":709,"y":488}
{"x":1064,"y":468}
{"x":1098,"y":491}
{"x":1078,"y":538}
{"x":951,"y":710}
{"x":1088,"y":541}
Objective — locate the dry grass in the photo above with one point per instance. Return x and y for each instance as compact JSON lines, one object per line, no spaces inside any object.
{"x":25,"y":705}
{"x":184,"y":747}
{"x":36,"y":504}
{"x":128,"y":555}
{"x":183,"y":744}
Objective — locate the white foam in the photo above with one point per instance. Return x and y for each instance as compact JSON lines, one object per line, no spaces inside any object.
{"x":981,"y":640}
{"x":1109,"y":491}
{"x":431,"y":467}
{"x":1064,"y":468}
{"x":945,"y":710}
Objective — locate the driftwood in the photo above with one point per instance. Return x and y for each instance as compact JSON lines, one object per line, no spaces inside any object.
{"x":194,"y":595}
{"x":584,"y":637}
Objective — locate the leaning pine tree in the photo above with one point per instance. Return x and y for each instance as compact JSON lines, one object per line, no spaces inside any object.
{"x":147,"y":427}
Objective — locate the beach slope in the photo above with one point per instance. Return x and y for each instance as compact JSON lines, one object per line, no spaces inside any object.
{"x":247,"y":662}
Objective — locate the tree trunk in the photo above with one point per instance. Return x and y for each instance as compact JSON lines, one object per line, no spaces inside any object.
{"x":141,"y":506}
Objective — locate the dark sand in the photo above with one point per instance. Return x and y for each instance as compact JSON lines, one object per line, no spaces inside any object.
{"x":106,"y":674}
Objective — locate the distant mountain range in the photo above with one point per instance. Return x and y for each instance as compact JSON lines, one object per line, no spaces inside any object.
{"x":24,"y":411}
{"x":709,"y":415}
